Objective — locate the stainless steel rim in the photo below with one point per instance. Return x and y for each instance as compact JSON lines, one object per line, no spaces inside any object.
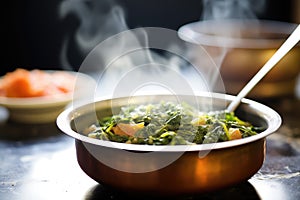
{"x":272,"y":118}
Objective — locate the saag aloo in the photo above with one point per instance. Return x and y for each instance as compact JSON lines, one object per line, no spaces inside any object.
{"x":167,"y":123}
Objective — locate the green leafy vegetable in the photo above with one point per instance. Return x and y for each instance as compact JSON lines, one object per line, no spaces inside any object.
{"x":167,"y":123}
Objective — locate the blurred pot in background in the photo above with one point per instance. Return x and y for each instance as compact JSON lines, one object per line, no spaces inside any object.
{"x":241,"y":48}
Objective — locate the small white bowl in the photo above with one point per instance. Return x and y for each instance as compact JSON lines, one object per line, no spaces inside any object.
{"x":37,"y":110}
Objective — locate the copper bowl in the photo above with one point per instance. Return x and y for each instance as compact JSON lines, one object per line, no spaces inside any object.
{"x":244,"y":46}
{"x":166,"y":169}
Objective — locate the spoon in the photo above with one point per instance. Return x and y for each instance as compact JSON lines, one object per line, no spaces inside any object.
{"x":291,"y":41}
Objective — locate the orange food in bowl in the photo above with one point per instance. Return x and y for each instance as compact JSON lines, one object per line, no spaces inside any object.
{"x":35,"y":83}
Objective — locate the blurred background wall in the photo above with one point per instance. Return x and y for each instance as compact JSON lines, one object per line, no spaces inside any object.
{"x":32,"y":31}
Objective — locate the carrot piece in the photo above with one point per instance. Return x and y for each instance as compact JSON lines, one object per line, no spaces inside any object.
{"x":201,"y":120}
{"x":127,"y":129}
{"x":17,"y":84}
{"x":2,"y":88}
{"x":63,"y":82}
{"x":234,"y":133}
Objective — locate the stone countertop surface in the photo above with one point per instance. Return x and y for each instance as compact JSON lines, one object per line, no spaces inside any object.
{"x":39,"y":162}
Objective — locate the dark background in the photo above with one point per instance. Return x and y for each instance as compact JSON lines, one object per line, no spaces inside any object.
{"x":32,"y":33}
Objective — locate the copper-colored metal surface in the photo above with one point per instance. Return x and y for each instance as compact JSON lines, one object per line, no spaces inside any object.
{"x":244,"y":47}
{"x":187,"y":175}
{"x":240,"y":65}
{"x":189,"y":168}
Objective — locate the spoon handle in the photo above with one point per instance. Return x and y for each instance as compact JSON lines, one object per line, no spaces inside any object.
{"x":292,"y":40}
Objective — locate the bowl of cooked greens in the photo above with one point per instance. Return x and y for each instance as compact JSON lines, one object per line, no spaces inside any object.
{"x":161,"y":145}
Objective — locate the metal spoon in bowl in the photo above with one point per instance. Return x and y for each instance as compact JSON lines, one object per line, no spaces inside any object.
{"x":292,"y":40}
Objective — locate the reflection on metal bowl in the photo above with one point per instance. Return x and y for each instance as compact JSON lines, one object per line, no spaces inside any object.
{"x":166,"y":169}
{"x":244,"y":46}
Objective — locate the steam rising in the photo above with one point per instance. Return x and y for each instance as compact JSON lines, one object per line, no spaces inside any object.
{"x":116,"y":52}
{"x":98,"y":21}
{"x":215,"y":12}
{"x":228,"y":9}
{"x":126,"y":62}
{"x":101,"y":20}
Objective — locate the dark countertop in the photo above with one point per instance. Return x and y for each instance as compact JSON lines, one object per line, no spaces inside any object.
{"x":39,"y":162}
